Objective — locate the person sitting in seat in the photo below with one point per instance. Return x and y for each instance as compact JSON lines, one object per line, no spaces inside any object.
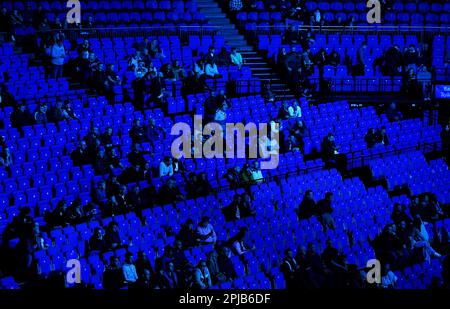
{"x":205,"y":232}
{"x":239,"y":208}
{"x":370,"y":138}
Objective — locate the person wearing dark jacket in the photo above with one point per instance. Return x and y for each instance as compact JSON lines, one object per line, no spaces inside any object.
{"x":370,"y":138}
{"x":381,"y":136}
{"x":307,"y":206}
{"x":290,"y":269}
{"x":239,"y":208}
{"x":324,"y":211}
{"x":21,"y":117}
{"x":97,"y":242}
{"x":113,"y":276}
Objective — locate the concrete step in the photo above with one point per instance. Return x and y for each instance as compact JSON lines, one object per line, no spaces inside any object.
{"x":209,"y":4}
{"x":214,"y":15}
{"x":219,"y":22}
{"x":211,"y":10}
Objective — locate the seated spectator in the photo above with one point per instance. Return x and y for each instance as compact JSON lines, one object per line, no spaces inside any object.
{"x":143,"y":264}
{"x":329,"y":149}
{"x":324,"y":210}
{"x":335,"y":263}
{"x":69,"y":113}
{"x":307,"y":207}
{"x":170,"y":192}
{"x":155,"y":50}
{"x":217,"y":276}
{"x":205,"y":233}
{"x":393,"y":61}
{"x":202,"y":276}
{"x":99,"y":195}
{"x":291,"y":36}
{"x":399,"y":214}
{"x":76,"y":212}
{"x":233,"y":177}
{"x":370,"y":138}
{"x":187,"y":234}
{"x":252,"y":174}
{"x":204,"y":188}
{"x":236,"y":58}
{"x":199,"y":67}
{"x":113,"y":275}
{"x":226,"y":264}
{"x":113,"y":159}
{"x":5,"y":158}
{"x":421,"y":240}
{"x":112,"y":237}
{"x":211,"y":70}
{"x":392,"y":113}
{"x":60,"y":215}
{"x":158,"y":92}
{"x":166,"y":167}
{"x":267,"y":93}
{"x":239,"y":208}
{"x":290,"y":269}
{"x":154,"y":132}
{"x":101,"y":164}
{"x":81,"y":155}
{"x":388,"y":278}
{"x":6,"y":98}
{"x":241,"y":246}
{"x":112,"y":78}
{"x":334,"y":58}
{"x":136,"y":156}
{"x":40,"y":116}
{"x":131,"y":174}
{"x":107,"y":138}
{"x":178,"y":70}
{"x":134,"y":198}
{"x":129,"y":270}
{"x":169,"y":278}
{"x":179,"y":256}
{"x":284,"y":112}
{"x":140,"y":70}
{"x":316,"y":19}
{"x":97,"y":242}
{"x":224,"y":57}
{"x":381,"y":136}
{"x":134,"y":60}
{"x":178,"y":167}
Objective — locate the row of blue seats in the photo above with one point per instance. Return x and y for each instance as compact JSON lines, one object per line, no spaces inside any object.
{"x":105,"y":5}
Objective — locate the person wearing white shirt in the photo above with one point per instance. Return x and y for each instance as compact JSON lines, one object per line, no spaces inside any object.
{"x":206,"y":233}
{"x":389,"y":279}
{"x":211,"y":70}
{"x":202,"y":277}
{"x":166,"y":167}
{"x":129,"y":270}
{"x":236,"y":58}
{"x":58,"y":54}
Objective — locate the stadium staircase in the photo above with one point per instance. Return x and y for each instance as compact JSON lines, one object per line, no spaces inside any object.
{"x":253,"y":58}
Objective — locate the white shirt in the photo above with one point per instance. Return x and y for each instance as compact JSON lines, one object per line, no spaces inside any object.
{"x":237,"y":59}
{"x":389,"y":279}
{"x":211,"y":70}
{"x":203,"y":277}
{"x":129,"y":272}
{"x":58,"y":53}
{"x":165,"y":170}
{"x":203,"y":231}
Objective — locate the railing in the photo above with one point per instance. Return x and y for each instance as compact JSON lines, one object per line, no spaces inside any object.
{"x":180,"y":31}
{"x":360,"y":158}
{"x":369,"y":29}
{"x":365,"y":84}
